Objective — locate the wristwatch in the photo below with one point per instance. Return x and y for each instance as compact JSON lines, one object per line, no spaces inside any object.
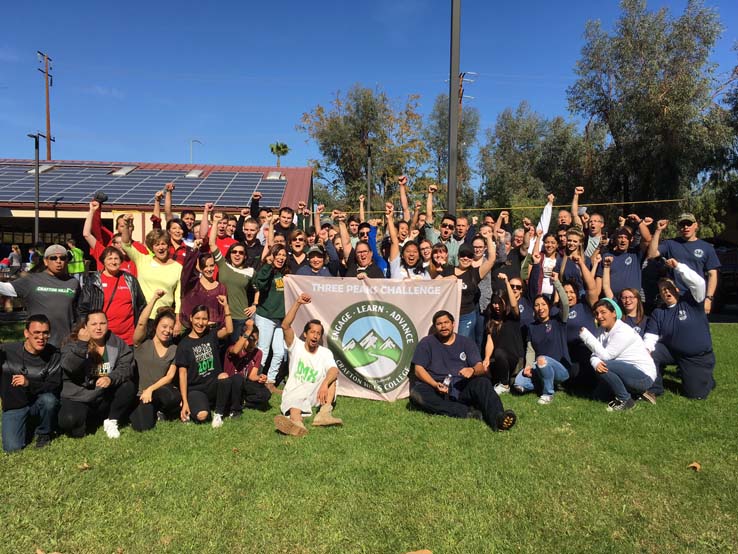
{"x":710,"y":297}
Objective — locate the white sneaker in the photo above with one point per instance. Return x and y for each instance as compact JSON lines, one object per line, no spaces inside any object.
{"x":545,"y":399}
{"x":217,"y":421}
{"x":501,"y":389}
{"x":111,"y":428}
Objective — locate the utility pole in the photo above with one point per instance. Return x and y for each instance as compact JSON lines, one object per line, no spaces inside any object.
{"x":453,"y":104}
{"x":49,"y":81}
{"x":462,"y":80}
{"x":369,"y":177}
{"x":35,"y":138}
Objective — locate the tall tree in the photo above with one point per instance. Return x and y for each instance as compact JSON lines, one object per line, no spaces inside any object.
{"x":435,"y":134}
{"x":279,"y":149}
{"x":364,"y":121}
{"x":650,"y":83}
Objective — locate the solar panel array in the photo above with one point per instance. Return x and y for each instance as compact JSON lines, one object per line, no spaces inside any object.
{"x":78,"y":184}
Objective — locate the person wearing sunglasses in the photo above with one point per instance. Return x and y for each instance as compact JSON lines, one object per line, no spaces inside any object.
{"x":359,"y":259}
{"x":30,"y":385}
{"x":297,"y":247}
{"x":52,"y":292}
{"x":697,"y":254}
{"x":445,"y":234}
{"x":242,"y":362}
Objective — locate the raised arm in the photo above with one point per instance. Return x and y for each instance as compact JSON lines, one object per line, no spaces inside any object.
{"x":576,"y":220}
{"x":362,"y":214}
{"x":205,"y":224}
{"x":168,"y":189}
{"x":563,"y":299}
{"x":289,"y":318}
{"x":392,"y":230}
{"x":319,"y":209}
{"x":156,"y":211}
{"x":214,"y":231}
{"x":489,"y":262}
{"x":653,"y":247}
{"x":227,"y":328}
{"x":87,"y":228}
{"x":544,"y":222}
{"x":343,"y":231}
{"x":402,"y":181}
{"x":139,"y":334}
{"x":429,"y":205}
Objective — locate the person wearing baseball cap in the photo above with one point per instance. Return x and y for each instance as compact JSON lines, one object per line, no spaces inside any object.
{"x":315,"y":267}
{"x":52,"y":292}
{"x":690,"y":250}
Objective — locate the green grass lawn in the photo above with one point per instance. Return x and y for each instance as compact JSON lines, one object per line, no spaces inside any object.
{"x":570,"y":477}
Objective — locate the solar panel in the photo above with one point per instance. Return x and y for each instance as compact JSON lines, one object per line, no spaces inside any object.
{"x":78,"y":184}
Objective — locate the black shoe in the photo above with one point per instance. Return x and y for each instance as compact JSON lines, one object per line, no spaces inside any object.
{"x":100,"y":196}
{"x":620,"y":406}
{"x":474,"y":414}
{"x":43,"y":440}
{"x":505,"y":420}
{"x":235,"y":415}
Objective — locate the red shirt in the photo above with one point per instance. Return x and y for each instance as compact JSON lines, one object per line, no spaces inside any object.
{"x":242,"y":363}
{"x":120,"y":312}
{"x":224,"y":244}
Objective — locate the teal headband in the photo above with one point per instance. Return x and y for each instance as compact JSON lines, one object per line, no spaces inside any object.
{"x":618,"y":311}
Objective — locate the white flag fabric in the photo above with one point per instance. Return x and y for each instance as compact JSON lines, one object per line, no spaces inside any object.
{"x":372,"y":326}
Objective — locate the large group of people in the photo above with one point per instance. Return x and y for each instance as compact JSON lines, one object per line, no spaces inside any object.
{"x":192,"y":323}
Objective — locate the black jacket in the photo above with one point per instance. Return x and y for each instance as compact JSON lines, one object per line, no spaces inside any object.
{"x":43,"y":373}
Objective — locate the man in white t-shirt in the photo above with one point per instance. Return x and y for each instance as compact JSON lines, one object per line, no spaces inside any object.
{"x":312,"y":378}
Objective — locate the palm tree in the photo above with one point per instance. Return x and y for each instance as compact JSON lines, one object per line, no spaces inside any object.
{"x":279,"y":149}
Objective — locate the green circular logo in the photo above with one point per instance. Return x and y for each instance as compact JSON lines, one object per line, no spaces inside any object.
{"x":373,"y":344}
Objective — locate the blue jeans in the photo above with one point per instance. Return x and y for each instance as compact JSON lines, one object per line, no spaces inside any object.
{"x":623,"y":377}
{"x":467,"y":323}
{"x":551,"y":372}
{"x":15,"y":421}
{"x":271,"y":336}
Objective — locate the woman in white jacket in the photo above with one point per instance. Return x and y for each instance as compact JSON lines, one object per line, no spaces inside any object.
{"x":619,"y":356}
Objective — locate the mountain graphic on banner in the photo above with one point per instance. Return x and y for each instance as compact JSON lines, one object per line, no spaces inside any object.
{"x":369,"y":348}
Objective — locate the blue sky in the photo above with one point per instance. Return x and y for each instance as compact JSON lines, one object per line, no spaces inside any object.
{"x":135,"y":81}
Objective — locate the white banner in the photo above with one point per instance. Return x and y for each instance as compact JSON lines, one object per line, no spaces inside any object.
{"x":372,"y":326}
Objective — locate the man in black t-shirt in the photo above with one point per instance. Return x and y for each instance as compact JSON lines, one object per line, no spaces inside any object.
{"x":30,"y":384}
{"x":449,"y":378}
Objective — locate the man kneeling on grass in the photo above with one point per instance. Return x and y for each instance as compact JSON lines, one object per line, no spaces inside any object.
{"x":451,"y":380}
{"x":312,"y":378}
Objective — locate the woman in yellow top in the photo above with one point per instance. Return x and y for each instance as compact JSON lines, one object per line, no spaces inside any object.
{"x":156,"y":272}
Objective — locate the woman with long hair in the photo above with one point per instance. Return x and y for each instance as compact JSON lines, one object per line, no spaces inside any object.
{"x":544,"y":263}
{"x":177,"y":230}
{"x":470,"y":276}
{"x":154,"y":354}
{"x":404,"y":263}
{"x":439,"y":267}
{"x":236,"y":275}
{"x":115,"y":292}
{"x":242,"y":363}
{"x":269,"y":284}
{"x":202,"y":382}
{"x":547,"y":354}
{"x":503,"y":351}
{"x":96,"y":377}
{"x":199,"y":287}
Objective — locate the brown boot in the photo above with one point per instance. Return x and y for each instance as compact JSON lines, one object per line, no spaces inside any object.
{"x":288,"y":427}
{"x":325,"y":417}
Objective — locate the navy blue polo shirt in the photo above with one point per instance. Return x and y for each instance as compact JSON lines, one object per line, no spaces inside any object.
{"x":682,"y":328}
{"x":625,"y":270}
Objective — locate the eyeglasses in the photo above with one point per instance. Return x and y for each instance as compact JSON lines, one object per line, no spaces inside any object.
{"x":685,"y":224}
{"x":298,"y":239}
{"x":447,"y":225}
{"x":360,"y":252}
{"x":40,"y":333}
{"x":364,"y":234}
{"x":57,"y":258}
{"x":465,"y":257}
{"x":516,"y":287}
{"x":239,"y":252}
{"x":624,"y":298}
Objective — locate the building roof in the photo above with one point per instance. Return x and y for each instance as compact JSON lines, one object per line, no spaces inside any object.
{"x":70,"y":183}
